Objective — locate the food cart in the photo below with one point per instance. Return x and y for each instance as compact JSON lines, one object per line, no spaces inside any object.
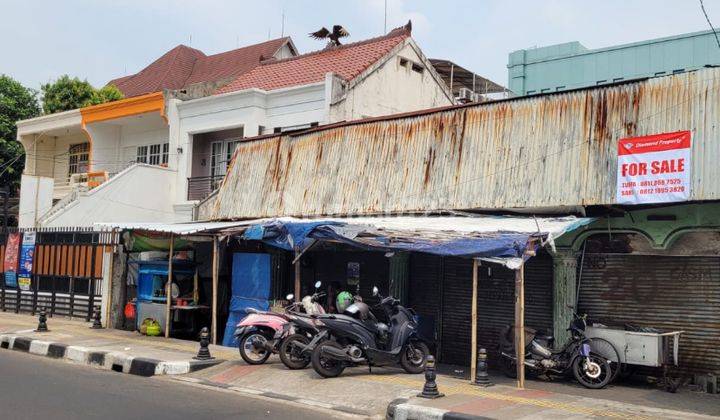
{"x":642,"y":347}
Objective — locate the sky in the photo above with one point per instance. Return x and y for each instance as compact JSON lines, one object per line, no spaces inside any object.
{"x":99,"y":40}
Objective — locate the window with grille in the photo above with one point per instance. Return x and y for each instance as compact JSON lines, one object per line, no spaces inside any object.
{"x":231,"y":146}
{"x":78,"y":158}
{"x":142,"y":152}
{"x":153,"y":154}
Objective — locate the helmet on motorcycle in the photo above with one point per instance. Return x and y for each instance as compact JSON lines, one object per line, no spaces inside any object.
{"x":344,"y":299}
{"x":358,"y":310}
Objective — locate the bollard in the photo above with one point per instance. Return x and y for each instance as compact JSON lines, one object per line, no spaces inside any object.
{"x":481,"y":376}
{"x":204,"y":352}
{"x":430,"y":389}
{"x":96,"y":319}
{"x":42,"y":321}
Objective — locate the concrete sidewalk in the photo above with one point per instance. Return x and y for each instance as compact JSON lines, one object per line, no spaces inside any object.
{"x":124,"y":351}
{"x":356,"y":391}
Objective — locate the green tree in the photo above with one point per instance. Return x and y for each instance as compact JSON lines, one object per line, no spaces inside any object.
{"x":68,"y":93}
{"x":107,"y":93}
{"x":65,"y":94}
{"x":16,"y":103}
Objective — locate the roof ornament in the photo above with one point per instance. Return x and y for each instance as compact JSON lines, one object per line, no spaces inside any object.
{"x":333,"y":37}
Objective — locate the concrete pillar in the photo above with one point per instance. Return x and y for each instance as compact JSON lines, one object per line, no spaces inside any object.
{"x":565,"y":263}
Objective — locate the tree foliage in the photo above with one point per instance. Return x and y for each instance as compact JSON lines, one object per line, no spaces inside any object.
{"x":68,"y":93}
{"x":16,"y":103}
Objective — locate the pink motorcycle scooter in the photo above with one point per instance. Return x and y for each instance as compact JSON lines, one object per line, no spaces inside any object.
{"x":260,"y":333}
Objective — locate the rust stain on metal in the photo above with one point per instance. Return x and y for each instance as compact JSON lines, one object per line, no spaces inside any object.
{"x":540,"y":151}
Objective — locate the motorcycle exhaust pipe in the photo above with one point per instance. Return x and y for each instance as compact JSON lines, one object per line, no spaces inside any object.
{"x":513,"y":358}
{"x":341,"y":355}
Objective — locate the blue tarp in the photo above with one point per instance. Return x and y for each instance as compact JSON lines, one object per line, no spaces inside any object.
{"x":286,"y":234}
{"x":250,"y":289}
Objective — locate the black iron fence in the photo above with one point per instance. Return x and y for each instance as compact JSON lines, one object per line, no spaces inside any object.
{"x":67,"y":272}
{"x":200,"y":187}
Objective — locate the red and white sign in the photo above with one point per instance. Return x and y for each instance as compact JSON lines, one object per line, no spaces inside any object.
{"x":654,"y":169}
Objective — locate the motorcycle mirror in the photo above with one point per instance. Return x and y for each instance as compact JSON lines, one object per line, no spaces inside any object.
{"x":318,"y":284}
{"x":375,"y":291}
{"x":290,"y":296}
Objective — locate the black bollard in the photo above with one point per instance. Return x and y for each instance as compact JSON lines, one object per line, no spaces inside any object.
{"x":481,"y":376}
{"x":96,"y":325}
{"x":204,"y":352}
{"x":430,"y":389}
{"x":42,"y":321}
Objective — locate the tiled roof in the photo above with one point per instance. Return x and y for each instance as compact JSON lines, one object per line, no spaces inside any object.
{"x":347,"y":61}
{"x":183,"y":66}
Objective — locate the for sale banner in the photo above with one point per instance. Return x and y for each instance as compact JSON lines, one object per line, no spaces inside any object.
{"x":27,"y":251}
{"x":10,"y":263}
{"x":654,"y":169}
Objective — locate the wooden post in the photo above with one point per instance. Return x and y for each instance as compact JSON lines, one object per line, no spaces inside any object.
{"x":168,"y":287}
{"x":520,"y":324}
{"x":297,"y":274}
{"x":473,"y":323}
{"x":215,"y":266}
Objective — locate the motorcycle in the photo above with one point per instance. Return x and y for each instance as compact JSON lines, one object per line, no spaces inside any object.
{"x":260,"y":333}
{"x":356,"y":337}
{"x":296,"y":348}
{"x":593,"y":362}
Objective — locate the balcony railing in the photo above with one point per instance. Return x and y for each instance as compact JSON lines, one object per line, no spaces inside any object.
{"x":200,"y":187}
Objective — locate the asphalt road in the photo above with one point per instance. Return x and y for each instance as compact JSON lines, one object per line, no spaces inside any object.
{"x":33,"y":387}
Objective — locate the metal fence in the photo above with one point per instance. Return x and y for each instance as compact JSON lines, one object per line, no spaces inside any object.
{"x":200,"y":187}
{"x":66,"y":275}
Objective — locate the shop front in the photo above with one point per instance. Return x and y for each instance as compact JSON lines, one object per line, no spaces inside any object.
{"x":653,"y":269}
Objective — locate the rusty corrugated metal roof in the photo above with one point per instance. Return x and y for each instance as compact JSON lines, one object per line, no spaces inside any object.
{"x":541,"y":151}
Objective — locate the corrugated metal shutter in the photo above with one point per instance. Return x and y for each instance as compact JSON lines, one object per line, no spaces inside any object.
{"x":669,"y":293}
{"x":496,"y":300}
{"x":425,"y":291}
{"x":496,"y":304}
{"x":456,"y":299}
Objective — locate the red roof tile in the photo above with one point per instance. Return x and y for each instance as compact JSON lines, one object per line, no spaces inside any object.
{"x":347,"y":61}
{"x":183,"y":66}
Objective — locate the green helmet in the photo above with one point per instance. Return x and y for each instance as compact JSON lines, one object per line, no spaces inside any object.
{"x":344,"y":299}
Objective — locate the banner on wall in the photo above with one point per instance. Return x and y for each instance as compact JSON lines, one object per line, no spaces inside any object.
{"x":10,"y":263}
{"x":654,"y":169}
{"x":27,"y":251}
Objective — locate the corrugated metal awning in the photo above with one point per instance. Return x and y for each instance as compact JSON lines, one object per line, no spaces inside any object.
{"x":175,"y":228}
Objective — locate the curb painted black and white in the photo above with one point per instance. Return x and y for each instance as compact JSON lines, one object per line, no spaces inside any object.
{"x":110,"y":360}
{"x":274,"y":395}
{"x":400,"y":409}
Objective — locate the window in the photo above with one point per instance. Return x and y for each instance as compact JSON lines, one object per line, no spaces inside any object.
{"x":417,"y":68}
{"x":230,"y":147}
{"x":403,"y":61}
{"x":78,"y":156}
{"x":277,"y":130}
{"x":217,"y":167}
{"x":261,"y":130}
{"x":153,"y":154}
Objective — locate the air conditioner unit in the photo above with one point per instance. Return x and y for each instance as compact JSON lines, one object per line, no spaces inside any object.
{"x":465,"y":95}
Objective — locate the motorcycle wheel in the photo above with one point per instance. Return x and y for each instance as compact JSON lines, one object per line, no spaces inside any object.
{"x":595,"y":377}
{"x":249,"y":352}
{"x":509,"y":367}
{"x":326,"y":366}
{"x":414,"y":356}
{"x":291,"y":355}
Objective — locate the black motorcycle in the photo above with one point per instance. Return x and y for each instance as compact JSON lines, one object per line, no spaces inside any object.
{"x":304,"y":335}
{"x":593,"y":361}
{"x":357,"y":337}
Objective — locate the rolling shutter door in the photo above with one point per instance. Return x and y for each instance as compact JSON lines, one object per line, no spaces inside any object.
{"x":664,"y":292}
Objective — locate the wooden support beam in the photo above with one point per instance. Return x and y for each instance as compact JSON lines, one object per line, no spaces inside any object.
{"x":473,"y":323}
{"x":297,"y":274}
{"x":215,"y":275}
{"x":520,"y":324}
{"x":168,"y":287}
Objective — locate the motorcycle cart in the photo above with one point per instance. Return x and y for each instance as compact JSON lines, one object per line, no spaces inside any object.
{"x":643,"y":347}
